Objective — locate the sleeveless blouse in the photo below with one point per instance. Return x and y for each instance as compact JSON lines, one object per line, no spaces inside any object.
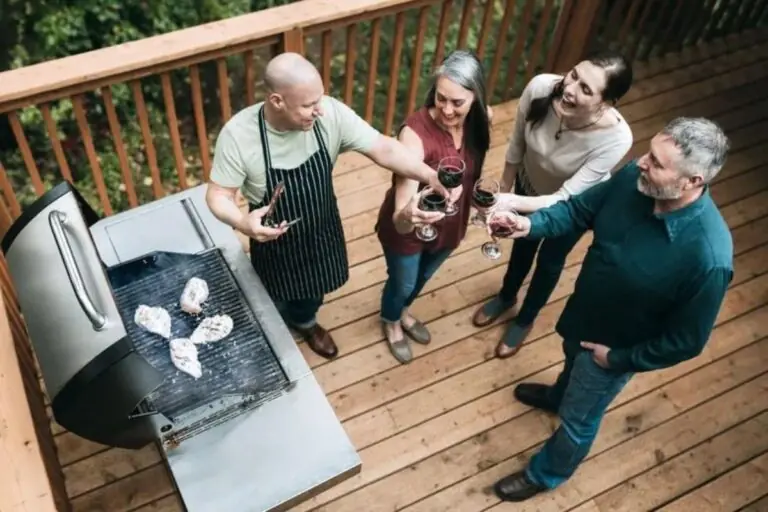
{"x":438,"y":144}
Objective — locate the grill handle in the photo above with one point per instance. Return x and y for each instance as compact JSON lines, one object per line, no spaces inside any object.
{"x":57,"y":220}
{"x":197,"y":222}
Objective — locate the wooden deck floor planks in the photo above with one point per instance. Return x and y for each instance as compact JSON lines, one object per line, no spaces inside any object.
{"x":435,"y":434}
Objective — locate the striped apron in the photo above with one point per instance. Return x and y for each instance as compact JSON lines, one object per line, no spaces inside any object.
{"x":310,"y":259}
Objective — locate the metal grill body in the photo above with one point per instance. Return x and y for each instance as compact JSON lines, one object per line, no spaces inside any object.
{"x":240,"y":372}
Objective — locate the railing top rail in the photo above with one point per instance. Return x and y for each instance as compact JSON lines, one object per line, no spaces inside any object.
{"x":122,"y":59}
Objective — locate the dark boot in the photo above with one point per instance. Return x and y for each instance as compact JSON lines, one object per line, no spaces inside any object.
{"x":537,"y":396}
{"x":516,"y":487}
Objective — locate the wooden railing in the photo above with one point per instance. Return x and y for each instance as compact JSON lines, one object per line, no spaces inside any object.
{"x":30,"y":475}
{"x":132,"y":123}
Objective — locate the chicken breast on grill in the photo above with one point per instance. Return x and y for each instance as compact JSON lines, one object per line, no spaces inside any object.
{"x":184,"y":357}
{"x":193,"y":296}
{"x":212,"y":329}
{"x":155,"y":320}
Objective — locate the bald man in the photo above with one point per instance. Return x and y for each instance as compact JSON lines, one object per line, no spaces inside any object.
{"x":294,"y":138}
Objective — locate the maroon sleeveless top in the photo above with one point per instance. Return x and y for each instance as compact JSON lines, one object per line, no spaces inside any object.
{"x":438,"y":144}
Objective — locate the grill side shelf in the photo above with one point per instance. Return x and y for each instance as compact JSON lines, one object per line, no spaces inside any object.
{"x":240,"y":372}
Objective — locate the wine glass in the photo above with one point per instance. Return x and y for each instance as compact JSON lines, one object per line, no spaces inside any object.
{"x":432,"y":202}
{"x":484,"y":195}
{"x":502,"y":225}
{"x":450,"y":172}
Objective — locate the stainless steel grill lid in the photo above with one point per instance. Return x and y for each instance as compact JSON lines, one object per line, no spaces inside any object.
{"x":93,"y":375}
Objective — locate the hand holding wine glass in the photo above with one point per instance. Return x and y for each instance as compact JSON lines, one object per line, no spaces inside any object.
{"x":454,"y":194}
{"x":450,"y":173}
{"x":414,"y":214}
{"x":430,"y":209}
{"x":503,"y":225}
{"x":436,"y":186}
{"x":485,"y":196}
{"x":508,"y":224}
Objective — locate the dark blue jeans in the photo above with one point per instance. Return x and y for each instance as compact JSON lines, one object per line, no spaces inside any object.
{"x":584,"y":390}
{"x":407,"y":276}
{"x":300,"y":313}
{"x":550,"y":262}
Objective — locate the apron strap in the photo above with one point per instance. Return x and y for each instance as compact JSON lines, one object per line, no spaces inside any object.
{"x":264,"y":143}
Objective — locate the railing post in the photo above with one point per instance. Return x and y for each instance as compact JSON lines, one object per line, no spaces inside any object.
{"x":292,"y":41}
{"x":30,"y":475}
{"x":573,"y":33}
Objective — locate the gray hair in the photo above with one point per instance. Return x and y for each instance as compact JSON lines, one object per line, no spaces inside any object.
{"x":703,"y":145}
{"x":464,"y":68}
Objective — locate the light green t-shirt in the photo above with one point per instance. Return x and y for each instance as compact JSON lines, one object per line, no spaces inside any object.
{"x":238,"y":160}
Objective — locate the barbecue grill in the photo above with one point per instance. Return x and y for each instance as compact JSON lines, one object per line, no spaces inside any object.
{"x":255,"y":432}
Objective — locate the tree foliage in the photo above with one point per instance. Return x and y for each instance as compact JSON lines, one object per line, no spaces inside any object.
{"x":33,"y":31}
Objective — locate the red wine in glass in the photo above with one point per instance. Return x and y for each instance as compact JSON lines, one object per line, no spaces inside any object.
{"x":450,"y":173}
{"x":432,"y":202}
{"x":501,"y":231}
{"x":484,"y":195}
{"x":483,"y":199}
{"x":501,"y":226}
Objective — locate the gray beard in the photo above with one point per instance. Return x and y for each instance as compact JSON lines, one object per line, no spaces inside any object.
{"x":668,"y":193}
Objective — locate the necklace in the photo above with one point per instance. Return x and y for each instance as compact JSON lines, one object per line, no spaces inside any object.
{"x":561,"y":129}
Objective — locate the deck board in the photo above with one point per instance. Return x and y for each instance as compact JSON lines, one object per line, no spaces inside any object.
{"x":435,"y":434}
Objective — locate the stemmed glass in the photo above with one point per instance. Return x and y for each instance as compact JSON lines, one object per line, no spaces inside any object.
{"x":450,"y":171}
{"x":502,"y":225}
{"x":432,"y":202}
{"x":484,"y":196}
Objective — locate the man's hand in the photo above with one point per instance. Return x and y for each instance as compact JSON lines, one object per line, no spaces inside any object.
{"x":436,"y":186}
{"x":454,"y":194}
{"x":599,"y":353}
{"x":414,"y":216}
{"x":521,"y":226}
{"x":252,"y":225}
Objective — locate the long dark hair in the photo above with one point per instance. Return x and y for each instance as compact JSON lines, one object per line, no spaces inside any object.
{"x":618,"y":80}
{"x":464,"y":68}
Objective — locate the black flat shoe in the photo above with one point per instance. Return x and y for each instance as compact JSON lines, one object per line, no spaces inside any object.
{"x":536,"y":396}
{"x":516,"y":487}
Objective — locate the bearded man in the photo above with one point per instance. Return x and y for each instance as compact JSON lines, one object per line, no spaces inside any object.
{"x":648,"y":294}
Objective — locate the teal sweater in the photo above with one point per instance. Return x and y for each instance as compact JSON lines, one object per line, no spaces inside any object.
{"x":651,"y":284}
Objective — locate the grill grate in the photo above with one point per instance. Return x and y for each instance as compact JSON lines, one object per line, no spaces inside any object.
{"x":240,"y":372}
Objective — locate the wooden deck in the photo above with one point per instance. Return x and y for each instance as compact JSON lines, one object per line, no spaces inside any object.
{"x":435,"y":434}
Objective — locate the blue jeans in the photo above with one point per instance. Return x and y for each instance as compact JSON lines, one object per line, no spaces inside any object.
{"x":300,"y":313}
{"x":584,"y":390}
{"x":407,"y":276}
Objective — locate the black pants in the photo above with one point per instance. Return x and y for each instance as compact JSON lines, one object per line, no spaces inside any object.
{"x":300,"y":313}
{"x":552,"y":253}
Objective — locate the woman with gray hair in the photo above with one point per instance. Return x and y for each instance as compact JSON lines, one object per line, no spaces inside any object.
{"x":450,"y":132}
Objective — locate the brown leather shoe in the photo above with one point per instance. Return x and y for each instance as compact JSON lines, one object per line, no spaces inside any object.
{"x":490,"y":311}
{"x":503,"y":351}
{"x":513,"y":339}
{"x":320,"y":341}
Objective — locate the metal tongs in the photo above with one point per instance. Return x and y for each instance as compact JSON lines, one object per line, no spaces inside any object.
{"x":267,"y":219}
